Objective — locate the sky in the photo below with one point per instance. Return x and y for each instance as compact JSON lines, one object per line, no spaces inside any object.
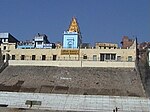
{"x":99,"y":20}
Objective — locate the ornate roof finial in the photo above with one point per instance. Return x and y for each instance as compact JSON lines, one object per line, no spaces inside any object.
{"x":74,"y":26}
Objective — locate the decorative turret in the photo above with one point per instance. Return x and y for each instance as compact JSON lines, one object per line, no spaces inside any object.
{"x":74,"y":26}
{"x":72,"y":37}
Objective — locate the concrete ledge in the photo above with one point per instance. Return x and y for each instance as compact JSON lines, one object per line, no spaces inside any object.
{"x":72,"y":63}
{"x":45,"y":63}
{"x":69,"y":102}
{"x":108,"y":64}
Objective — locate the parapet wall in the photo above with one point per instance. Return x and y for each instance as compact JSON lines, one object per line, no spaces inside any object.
{"x":72,"y":63}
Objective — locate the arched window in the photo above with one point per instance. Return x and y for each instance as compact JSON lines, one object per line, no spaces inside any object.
{"x":85,"y":56}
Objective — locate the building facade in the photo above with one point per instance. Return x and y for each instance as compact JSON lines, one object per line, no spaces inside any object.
{"x":60,"y":54}
{"x":40,"y":41}
{"x":40,"y":49}
{"x":7,"y":42}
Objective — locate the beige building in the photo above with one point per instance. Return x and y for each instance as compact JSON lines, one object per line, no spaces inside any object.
{"x":39,"y":50}
{"x":94,"y":54}
{"x":61,"y":57}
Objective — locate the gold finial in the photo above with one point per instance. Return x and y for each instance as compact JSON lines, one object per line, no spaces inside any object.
{"x":74,"y":26}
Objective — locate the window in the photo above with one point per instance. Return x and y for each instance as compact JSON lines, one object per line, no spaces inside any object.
{"x":39,"y":42}
{"x":104,"y":47}
{"x":94,"y":57}
{"x":85,"y":57}
{"x":130,"y":58}
{"x":101,"y":57}
{"x":118,"y":58}
{"x":55,"y":56}
{"x":113,"y":56}
{"x":4,"y":47}
{"x":69,"y":45}
{"x":33,"y":57}
{"x":43,"y":57}
{"x":107,"y":56}
{"x":13,"y":57}
{"x":22,"y":57}
{"x":3,"y":57}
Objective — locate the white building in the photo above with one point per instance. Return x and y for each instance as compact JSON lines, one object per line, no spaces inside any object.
{"x":7,"y":38}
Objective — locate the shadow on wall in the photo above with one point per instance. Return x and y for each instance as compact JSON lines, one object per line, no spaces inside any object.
{"x":144,"y":71}
{"x":16,"y":88}
{"x":81,"y":91}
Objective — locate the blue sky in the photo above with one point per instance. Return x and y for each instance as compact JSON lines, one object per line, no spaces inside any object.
{"x":99,"y":20}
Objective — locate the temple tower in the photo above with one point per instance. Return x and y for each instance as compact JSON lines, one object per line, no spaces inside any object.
{"x":72,"y":37}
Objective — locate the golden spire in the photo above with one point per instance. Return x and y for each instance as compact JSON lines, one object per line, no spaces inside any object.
{"x":74,"y":26}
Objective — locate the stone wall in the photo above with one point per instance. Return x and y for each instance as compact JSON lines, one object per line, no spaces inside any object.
{"x":72,"y":80}
{"x":144,"y":72}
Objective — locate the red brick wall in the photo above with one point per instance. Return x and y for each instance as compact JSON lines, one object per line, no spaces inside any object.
{"x":126,"y":42}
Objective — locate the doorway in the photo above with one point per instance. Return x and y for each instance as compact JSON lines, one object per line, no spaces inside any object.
{"x":102,"y":57}
{"x":43,"y":57}
{"x":54,"y":57}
